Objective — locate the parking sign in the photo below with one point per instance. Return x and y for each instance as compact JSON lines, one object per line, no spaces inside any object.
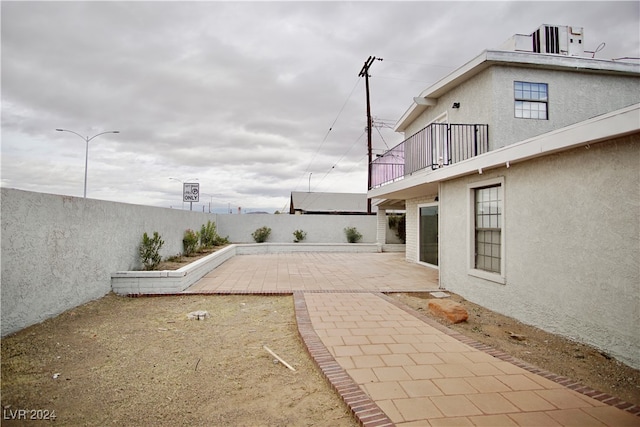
{"x":191,"y":192}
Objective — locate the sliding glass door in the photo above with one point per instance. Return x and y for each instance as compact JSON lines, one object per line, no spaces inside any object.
{"x":428,"y":234}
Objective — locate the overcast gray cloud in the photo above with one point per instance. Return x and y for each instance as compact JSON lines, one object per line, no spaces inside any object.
{"x":240,"y":95}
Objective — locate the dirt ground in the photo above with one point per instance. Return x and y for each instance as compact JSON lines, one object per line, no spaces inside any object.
{"x":174,"y":263}
{"x":550,"y":352}
{"x":140,"y":361}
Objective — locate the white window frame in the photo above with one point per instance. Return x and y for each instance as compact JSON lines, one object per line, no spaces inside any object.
{"x":471,"y":236}
{"x":531,"y":102}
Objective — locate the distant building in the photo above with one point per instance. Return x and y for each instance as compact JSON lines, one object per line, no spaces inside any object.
{"x":328,"y":203}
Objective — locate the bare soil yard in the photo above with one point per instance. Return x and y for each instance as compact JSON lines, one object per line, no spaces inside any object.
{"x":139,"y":361}
{"x":550,"y":352}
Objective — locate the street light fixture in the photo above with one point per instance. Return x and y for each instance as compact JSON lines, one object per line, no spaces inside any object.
{"x":86,"y":157}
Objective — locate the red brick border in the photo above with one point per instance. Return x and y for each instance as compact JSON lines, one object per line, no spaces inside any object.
{"x":360,"y":404}
{"x":567,"y":382}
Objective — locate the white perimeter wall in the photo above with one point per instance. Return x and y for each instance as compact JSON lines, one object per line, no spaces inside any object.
{"x":59,"y":252}
{"x":572,"y":245}
{"x":319,"y":228}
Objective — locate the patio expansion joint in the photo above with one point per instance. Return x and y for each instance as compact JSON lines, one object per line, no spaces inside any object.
{"x":363,"y":408}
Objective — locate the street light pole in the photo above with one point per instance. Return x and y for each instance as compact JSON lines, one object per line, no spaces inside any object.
{"x":86,"y":156}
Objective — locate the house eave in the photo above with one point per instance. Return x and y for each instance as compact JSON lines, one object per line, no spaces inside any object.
{"x":490,"y":58}
{"x":616,"y":124}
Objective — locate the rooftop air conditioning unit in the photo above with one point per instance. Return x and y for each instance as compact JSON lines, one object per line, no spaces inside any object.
{"x":554,"y":39}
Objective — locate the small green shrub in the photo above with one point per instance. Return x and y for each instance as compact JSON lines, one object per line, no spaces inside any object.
{"x":149,"y":250}
{"x":261,"y":234}
{"x":352,"y":234}
{"x":299,"y":236}
{"x":190,"y":242}
{"x":209,"y":236}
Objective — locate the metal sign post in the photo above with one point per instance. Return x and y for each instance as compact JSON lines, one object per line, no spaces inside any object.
{"x":190,"y":193}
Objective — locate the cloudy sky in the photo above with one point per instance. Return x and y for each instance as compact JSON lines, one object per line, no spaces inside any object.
{"x":254,"y":99}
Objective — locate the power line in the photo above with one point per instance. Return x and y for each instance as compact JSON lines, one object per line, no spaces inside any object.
{"x":420,"y":63}
{"x":385,"y":142}
{"x":328,"y":132}
{"x":400,"y":78}
{"x":339,"y":160}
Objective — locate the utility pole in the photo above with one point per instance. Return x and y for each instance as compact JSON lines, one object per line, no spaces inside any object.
{"x":365,"y":73}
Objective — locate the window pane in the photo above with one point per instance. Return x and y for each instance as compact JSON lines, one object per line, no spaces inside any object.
{"x":495,"y":251}
{"x":493,"y":193}
{"x":531,"y":100}
{"x":480,"y":263}
{"x":488,"y":216}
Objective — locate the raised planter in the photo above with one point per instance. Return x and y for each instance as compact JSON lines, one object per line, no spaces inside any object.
{"x":175,"y":281}
{"x":168,"y":281}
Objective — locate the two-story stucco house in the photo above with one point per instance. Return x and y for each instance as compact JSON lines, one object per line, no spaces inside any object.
{"x":520,"y":176}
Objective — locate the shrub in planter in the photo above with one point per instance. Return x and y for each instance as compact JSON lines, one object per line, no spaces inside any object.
{"x":352,"y":234}
{"x":209,"y":236}
{"x":190,"y":242}
{"x":299,"y":236}
{"x":149,"y":250}
{"x":261,"y":234}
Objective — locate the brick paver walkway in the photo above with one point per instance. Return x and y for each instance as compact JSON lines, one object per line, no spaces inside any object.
{"x":420,"y":373}
{"x":393,"y":366}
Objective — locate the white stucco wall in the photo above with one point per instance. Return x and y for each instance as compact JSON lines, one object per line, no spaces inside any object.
{"x":572,"y":245}
{"x":59,"y":252}
{"x":319,"y":228}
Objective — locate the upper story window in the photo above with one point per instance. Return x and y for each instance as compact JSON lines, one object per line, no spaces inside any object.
{"x":531,"y":100}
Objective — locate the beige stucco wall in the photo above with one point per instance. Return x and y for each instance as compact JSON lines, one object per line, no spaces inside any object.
{"x":572,"y":245}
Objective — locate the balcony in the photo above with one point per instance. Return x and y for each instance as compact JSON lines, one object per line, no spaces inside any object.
{"x":435,"y":146}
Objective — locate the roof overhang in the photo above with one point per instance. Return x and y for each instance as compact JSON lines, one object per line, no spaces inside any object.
{"x":616,"y":124}
{"x":389,"y":204}
{"x":428,"y":98}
